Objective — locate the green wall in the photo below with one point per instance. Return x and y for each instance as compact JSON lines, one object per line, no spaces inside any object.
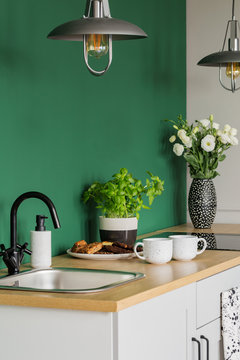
{"x":62,"y":128}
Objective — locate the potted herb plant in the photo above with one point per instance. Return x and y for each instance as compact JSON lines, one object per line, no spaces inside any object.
{"x":203,"y":146}
{"x":121,"y":200}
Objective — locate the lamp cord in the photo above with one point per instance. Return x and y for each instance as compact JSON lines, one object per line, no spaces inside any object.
{"x":233,"y":10}
{"x":105,"y":7}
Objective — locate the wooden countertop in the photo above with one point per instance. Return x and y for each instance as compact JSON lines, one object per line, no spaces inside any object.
{"x":159,"y":278}
{"x":216,"y":229}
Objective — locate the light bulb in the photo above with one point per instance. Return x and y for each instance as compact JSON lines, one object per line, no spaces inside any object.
{"x":235,"y":67}
{"x":97,"y":45}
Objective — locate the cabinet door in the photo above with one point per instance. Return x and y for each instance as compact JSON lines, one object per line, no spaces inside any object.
{"x":49,"y":334}
{"x":211,"y":341}
{"x":209,"y":294}
{"x":157,"y":329}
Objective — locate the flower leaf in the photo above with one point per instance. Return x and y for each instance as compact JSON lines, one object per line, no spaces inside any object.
{"x":222,"y":157}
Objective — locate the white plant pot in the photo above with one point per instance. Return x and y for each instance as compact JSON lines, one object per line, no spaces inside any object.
{"x":118,"y":229}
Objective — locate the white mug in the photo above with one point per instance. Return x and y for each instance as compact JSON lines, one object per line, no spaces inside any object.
{"x":185,"y":247}
{"x":155,"y":250}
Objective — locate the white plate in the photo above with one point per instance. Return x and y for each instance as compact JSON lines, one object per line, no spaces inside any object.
{"x":101,"y":256}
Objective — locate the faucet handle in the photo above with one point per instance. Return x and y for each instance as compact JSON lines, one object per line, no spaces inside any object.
{"x":10,"y":261}
{"x":12,"y":258}
{"x":2,"y":246}
{"x":23,"y":249}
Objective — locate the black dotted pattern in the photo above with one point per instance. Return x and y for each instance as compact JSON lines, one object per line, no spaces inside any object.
{"x":202,"y":203}
{"x":210,"y":239}
{"x":231,"y":323}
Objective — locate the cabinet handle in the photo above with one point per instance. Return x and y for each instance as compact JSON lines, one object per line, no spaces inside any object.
{"x":199,"y":347}
{"x":207,"y":341}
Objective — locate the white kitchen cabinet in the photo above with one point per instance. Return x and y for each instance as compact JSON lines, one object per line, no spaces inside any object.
{"x":209,"y":294}
{"x":211,"y":341}
{"x":52,"y":334}
{"x":209,"y":312}
{"x":161,"y":328}
{"x":158,"y":328}
{"x":166,"y":325}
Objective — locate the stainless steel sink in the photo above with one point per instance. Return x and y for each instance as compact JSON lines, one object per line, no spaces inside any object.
{"x":68,"y":280}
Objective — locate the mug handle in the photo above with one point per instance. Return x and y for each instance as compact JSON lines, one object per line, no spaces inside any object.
{"x":204,"y":246}
{"x":135,"y":250}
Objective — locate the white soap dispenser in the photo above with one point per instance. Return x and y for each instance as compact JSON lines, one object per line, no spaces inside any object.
{"x":41,"y":245}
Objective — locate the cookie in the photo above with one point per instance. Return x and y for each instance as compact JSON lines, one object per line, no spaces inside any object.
{"x":93,"y":247}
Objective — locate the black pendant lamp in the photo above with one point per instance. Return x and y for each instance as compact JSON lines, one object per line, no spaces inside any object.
{"x":97,"y":29}
{"x":228,"y":60}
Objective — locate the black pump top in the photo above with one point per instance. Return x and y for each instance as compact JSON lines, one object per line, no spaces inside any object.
{"x":40,"y":219}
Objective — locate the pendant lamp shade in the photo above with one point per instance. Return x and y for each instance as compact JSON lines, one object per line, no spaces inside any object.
{"x":220,"y":58}
{"x":76,"y":29}
{"x":229,"y":59}
{"x":97,"y":29}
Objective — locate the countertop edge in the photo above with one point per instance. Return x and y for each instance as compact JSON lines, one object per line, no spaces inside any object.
{"x":176,"y":284}
{"x":155,"y":284}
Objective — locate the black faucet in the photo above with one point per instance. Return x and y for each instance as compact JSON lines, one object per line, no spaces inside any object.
{"x":14,"y":255}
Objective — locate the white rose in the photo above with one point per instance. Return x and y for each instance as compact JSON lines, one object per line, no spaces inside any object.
{"x":182,"y":134}
{"x":233,"y":140}
{"x":215,"y":126}
{"x":185,"y":139}
{"x":224,"y":138}
{"x":172,"y":139}
{"x":233,"y":132}
{"x":188,"y":142}
{"x":227,"y":128}
{"x":178,"y":149}
{"x":208,"y":143}
{"x":205,"y":122}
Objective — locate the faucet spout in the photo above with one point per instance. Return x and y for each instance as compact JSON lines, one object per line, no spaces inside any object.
{"x":13,"y":215}
{"x":14,"y":255}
